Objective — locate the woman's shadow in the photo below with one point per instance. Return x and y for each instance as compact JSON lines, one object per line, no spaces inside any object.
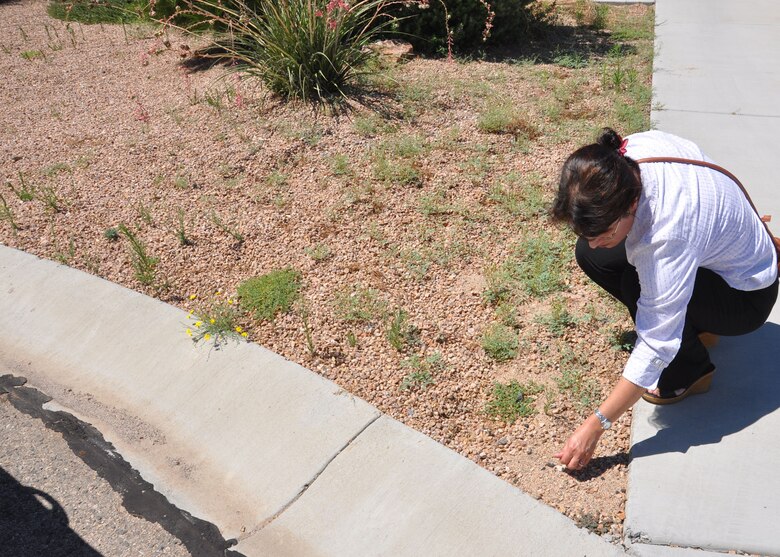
{"x":745,"y":389}
{"x":34,"y":523}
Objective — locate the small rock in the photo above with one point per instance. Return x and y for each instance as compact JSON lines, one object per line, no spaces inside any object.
{"x":503,"y":441}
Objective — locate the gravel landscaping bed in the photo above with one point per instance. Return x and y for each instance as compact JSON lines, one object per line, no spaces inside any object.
{"x":408,"y":217}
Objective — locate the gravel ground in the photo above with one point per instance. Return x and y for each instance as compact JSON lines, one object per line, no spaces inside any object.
{"x":106,"y":127}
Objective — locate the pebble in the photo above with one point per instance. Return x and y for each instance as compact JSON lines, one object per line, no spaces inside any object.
{"x":503,"y":441}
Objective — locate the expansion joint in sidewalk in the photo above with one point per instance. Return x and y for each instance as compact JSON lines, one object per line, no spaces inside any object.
{"x":308,"y":484}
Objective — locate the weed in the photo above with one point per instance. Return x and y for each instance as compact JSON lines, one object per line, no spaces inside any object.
{"x":303,"y":311}
{"x":181,"y":235}
{"x":600,"y":17}
{"x":435,"y":204}
{"x":25,"y":192}
{"x":144,"y":265}
{"x":631,"y":118}
{"x":181,"y":182}
{"x":541,"y":265}
{"x":359,"y":305}
{"x":33,"y":54}
{"x":339,"y":165}
{"x":277,"y":180}
{"x":506,"y":314}
{"x":144,"y":214}
{"x":526,"y":201}
{"x":569,"y":60}
{"x":623,"y":340}
{"x":589,"y":521}
{"x":7,"y":214}
{"x":271,"y":293}
{"x":500,"y":342}
{"x":111,"y":234}
{"x":398,"y":172}
{"x":422,"y":370}
{"x":214,"y":100}
{"x":505,"y":118}
{"x":351,"y":339}
{"x":229,"y":230}
{"x":558,"y":320}
{"x":53,"y":169}
{"x":318,"y":252}
{"x":401,"y":334}
{"x":65,"y":257}
{"x":416,"y":263}
{"x":500,"y":283}
{"x":369,"y":126}
{"x":377,"y":234}
{"x":49,"y":197}
{"x":217,"y":323}
{"x":404,"y":146}
{"x":582,"y":391}
{"x":513,"y":400}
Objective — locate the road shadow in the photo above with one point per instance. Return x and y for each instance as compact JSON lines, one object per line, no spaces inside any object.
{"x":32,"y":522}
{"x":745,"y":389}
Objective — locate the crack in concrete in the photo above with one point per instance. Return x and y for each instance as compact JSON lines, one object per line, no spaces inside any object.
{"x":718,"y":113}
{"x":308,"y":484}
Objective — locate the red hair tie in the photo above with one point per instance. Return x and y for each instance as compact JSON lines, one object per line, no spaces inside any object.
{"x":622,"y":148}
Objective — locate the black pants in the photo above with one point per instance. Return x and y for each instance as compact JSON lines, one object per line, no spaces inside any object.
{"x":715,"y":307}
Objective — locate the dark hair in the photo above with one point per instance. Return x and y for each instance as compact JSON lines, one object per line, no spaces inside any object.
{"x":598,"y":186}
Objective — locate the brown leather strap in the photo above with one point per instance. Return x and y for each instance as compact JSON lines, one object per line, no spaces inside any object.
{"x":764,"y":219}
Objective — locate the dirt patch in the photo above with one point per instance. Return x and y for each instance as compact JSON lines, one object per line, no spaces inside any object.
{"x":406,"y":195}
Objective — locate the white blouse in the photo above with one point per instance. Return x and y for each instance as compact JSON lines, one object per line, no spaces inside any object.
{"x":687,"y":217}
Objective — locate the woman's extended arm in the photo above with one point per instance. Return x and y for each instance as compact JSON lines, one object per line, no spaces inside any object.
{"x":579,"y":448}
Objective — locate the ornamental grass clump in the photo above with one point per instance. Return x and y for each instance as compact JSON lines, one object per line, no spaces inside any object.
{"x":270,"y":294}
{"x":311,"y":50}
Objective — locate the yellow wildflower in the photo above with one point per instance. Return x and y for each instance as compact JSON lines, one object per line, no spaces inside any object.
{"x":198,"y":323}
{"x":213,"y":320}
{"x":193,"y":296}
{"x":230,"y":301}
{"x":189,"y":332}
{"x":207,"y":336}
{"x":244,"y":335}
{"x":239,"y":329}
{"x":217,"y":293}
{"x":189,"y":315}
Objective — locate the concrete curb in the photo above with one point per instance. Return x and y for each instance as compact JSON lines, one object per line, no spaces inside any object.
{"x":275,"y":455}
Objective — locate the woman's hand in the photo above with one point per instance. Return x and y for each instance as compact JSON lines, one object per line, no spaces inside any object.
{"x":579,"y":448}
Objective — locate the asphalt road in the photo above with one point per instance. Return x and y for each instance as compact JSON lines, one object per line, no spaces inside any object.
{"x":54,"y":504}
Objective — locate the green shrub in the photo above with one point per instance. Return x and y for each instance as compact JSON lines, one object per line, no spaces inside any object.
{"x":303,"y":49}
{"x":500,"y":342}
{"x":421,"y":370}
{"x":270,"y":294}
{"x":541,"y":265}
{"x":469,"y":23}
{"x":511,"y":401}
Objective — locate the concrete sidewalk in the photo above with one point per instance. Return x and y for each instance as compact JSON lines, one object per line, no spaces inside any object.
{"x":276,"y":456}
{"x":702,"y":472}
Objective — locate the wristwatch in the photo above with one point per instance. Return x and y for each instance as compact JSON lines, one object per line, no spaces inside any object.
{"x":605,"y":423}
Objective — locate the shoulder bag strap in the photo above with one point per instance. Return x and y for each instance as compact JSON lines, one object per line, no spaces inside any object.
{"x":764,"y":219}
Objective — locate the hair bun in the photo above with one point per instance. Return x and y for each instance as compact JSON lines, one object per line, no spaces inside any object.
{"x":609,"y":138}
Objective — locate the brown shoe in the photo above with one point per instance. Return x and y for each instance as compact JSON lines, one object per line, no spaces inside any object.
{"x":701,"y":385}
